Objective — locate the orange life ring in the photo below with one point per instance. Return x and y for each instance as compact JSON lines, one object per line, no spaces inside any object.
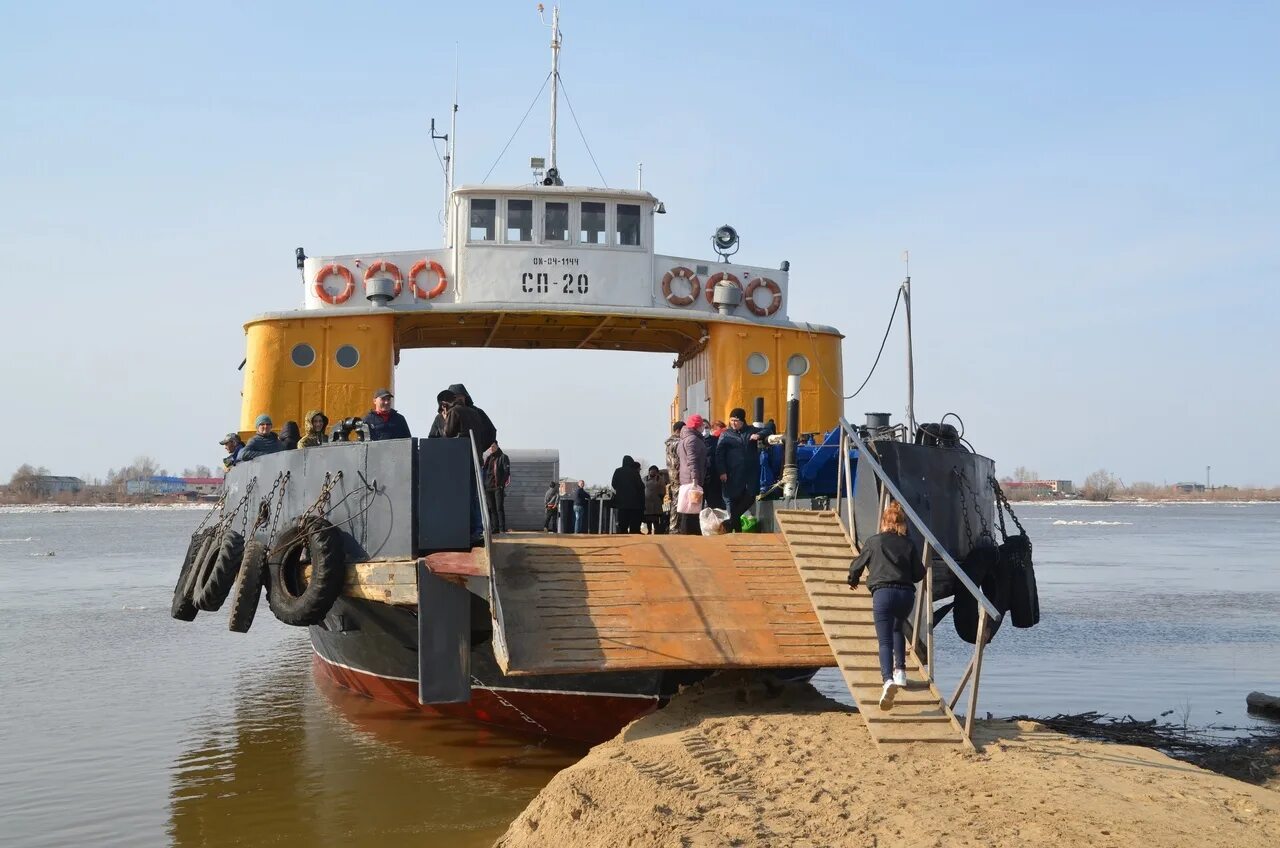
{"x":717,"y":277}
{"x":682,"y":273}
{"x":774,"y":289}
{"x":341,"y":271}
{"x":423,"y":265}
{"x":380,"y":266}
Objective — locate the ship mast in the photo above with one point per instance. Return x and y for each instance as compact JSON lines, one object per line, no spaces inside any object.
{"x":552,"y":170}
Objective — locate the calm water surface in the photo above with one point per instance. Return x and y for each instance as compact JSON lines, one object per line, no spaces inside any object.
{"x":121,"y":726}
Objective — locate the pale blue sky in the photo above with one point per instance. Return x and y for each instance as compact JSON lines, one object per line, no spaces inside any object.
{"x":1089,"y":195}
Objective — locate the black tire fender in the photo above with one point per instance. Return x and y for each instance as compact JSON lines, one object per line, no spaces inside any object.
{"x":293,"y":599}
{"x":220,"y":571}
{"x":182,"y":608}
{"x":248,"y":587}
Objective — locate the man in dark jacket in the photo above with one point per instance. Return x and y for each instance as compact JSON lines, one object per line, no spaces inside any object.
{"x":460,"y":421}
{"x":383,"y":421}
{"x":738,"y":461}
{"x":552,"y":500}
{"x":581,"y":507}
{"x":263,"y":443}
{"x":233,"y":445}
{"x":628,"y":495}
{"x":497,"y":475}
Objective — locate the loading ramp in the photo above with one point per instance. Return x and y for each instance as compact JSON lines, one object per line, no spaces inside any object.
{"x":822,"y":551}
{"x":585,"y":603}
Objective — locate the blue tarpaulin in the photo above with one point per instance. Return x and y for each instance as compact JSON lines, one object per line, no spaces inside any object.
{"x":818,"y":465}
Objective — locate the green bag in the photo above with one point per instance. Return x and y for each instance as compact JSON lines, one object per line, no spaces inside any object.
{"x":749,"y":523}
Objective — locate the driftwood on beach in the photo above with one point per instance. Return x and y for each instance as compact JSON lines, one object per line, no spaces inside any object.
{"x":1254,"y":757}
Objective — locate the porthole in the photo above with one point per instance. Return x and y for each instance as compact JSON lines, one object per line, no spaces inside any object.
{"x":797,"y":365}
{"x":303,"y":355}
{"x":347,"y":356}
{"x":757,"y":363}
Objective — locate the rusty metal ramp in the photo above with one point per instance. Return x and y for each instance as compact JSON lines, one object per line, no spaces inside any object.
{"x":575,"y":604}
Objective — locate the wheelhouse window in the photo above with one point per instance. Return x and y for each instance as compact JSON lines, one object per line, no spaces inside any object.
{"x":593,"y":225}
{"x":555,"y":221}
{"x":519,"y":220}
{"x":629,"y":224}
{"x":484,"y":220}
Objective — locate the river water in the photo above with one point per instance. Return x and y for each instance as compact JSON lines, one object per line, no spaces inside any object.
{"x":121,"y":726}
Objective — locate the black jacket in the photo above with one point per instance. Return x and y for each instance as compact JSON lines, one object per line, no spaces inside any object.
{"x":395,"y":427}
{"x":628,"y":486}
{"x":891,"y":559}
{"x":486,"y":432}
{"x":497,"y":471}
{"x":259,"y":445}
{"x":737,"y":457}
{"x":582,"y":497}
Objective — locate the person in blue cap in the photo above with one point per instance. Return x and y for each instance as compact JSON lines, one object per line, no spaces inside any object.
{"x":263,"y":443}
{"x":384,"y":422}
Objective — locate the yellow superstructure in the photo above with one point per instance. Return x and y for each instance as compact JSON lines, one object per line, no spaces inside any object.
{"x":336,"y":362}
{"x":328,"y":362}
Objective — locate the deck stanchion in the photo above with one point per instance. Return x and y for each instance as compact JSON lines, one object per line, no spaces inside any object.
{"x":964,"y":679}
{"x":848,"y":484}
{"x":977,"y":673}
{"x":927,"y":604}
{"x":840,"y":480}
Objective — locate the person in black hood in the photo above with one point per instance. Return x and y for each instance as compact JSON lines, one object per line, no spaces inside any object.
{"x":895,"y":567}
{"x":486,"y":433}
{"x":628,"y":495}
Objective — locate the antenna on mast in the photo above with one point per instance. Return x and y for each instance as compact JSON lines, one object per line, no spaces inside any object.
{"x":553,"y":171}
{"x":450,"y":146}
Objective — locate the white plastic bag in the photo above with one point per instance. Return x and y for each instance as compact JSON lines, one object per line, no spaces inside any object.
{"x":712,"y":521}
{"x":689,"y":501}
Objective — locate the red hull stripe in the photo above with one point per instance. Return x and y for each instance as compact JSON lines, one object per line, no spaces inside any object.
{"x":582,"y":716}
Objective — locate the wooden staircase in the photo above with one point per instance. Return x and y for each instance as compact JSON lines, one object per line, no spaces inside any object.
{"x":822,"y":552}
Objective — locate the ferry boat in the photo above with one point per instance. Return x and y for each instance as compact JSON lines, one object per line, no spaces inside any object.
{"x":422,"y":618}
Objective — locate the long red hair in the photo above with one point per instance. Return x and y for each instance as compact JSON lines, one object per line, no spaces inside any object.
{"x":893,"y":520}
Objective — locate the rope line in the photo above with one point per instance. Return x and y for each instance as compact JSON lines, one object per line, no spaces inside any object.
{"x":581,"y":135}
{"x":518,"y":126}
{"x":822,"y":372}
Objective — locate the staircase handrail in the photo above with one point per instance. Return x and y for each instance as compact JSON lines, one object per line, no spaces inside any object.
{"x":499,"y":639}
{"x":866,"y":458}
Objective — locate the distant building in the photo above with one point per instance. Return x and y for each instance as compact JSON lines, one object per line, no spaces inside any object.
{"x":205,"y":487}
{"x":1188,"y":488}
{"x":194,"y":486}
{"x":1040,"y":488}
{"x":156,"y":486}
{"x":46,"y":486}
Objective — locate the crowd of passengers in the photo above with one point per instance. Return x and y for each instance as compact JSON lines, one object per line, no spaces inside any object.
{"x":721,"y":461}
{"x":456,"y":416}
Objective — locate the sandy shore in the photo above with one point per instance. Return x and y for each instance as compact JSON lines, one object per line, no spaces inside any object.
{"x":730,"y":764}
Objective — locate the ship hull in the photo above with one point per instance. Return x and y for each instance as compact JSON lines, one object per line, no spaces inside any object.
{"x":371,"y":649}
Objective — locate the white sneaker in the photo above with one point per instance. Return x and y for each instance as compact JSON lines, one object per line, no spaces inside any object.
{"x":900,"y":677}
{"x":887,"y":695}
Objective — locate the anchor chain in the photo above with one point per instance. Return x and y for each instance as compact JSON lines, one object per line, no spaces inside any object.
{"x":1002,"y":503}
{"x":501,"y":700}
{"x":967,"y":493}
{"x":330,"y":481}
{"x":222,"y":499}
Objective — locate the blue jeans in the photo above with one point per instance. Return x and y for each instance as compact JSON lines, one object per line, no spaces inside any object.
{"x":579,"y":519}
{"x":890,"y":608}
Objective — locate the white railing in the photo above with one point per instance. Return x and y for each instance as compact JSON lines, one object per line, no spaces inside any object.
{"x":987,"y":611}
